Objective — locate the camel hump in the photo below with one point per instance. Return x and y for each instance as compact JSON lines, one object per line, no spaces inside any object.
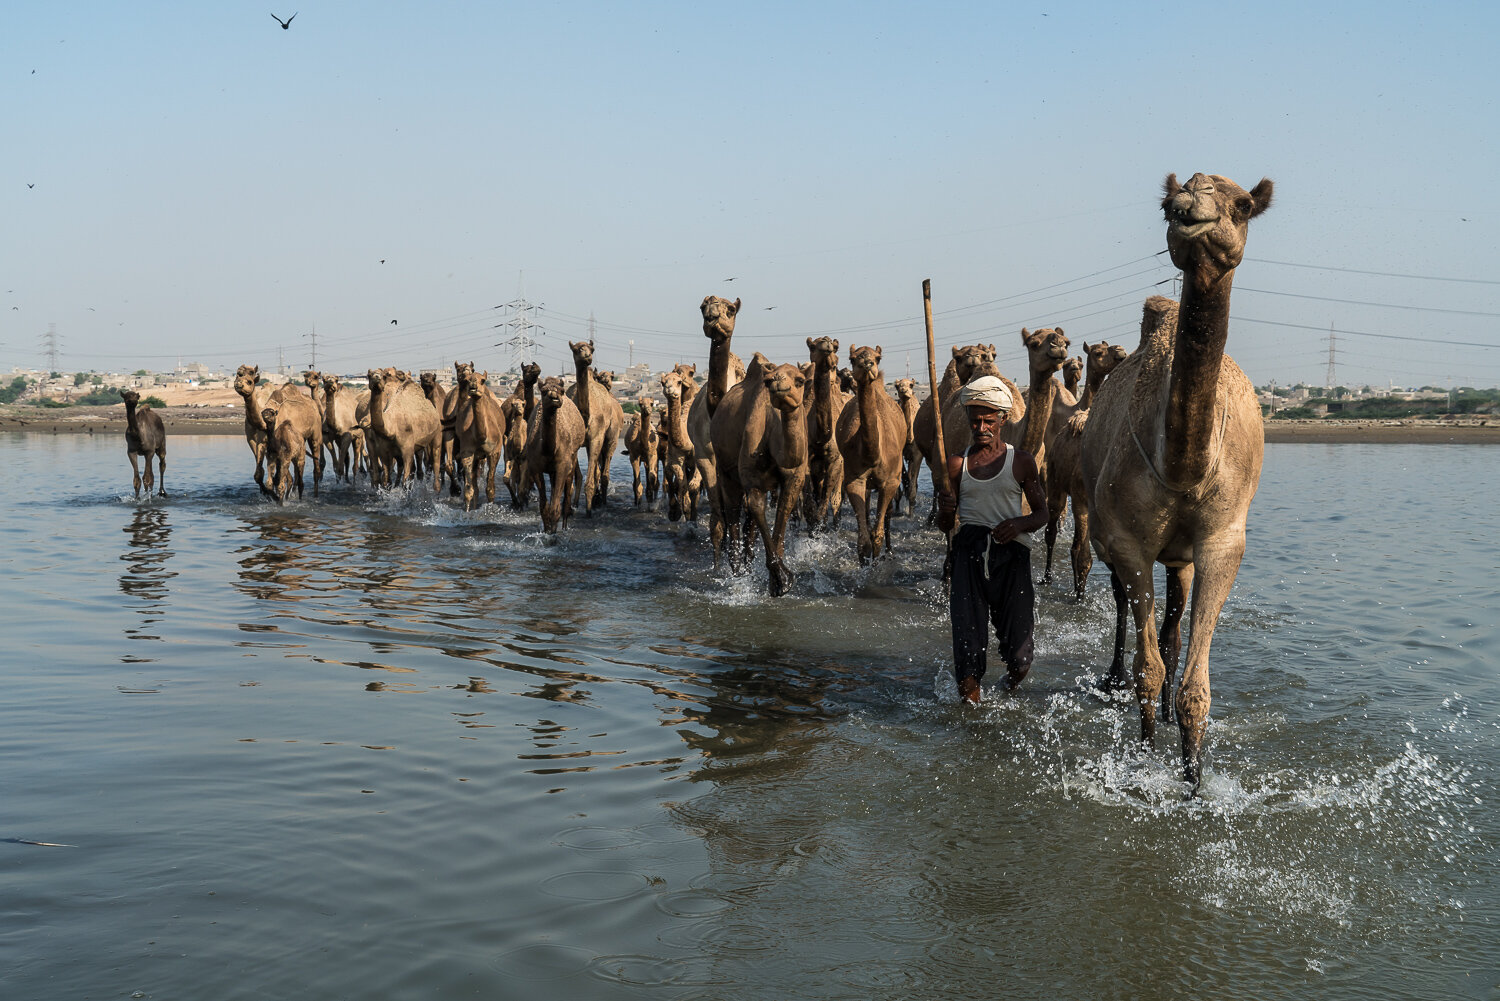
{"x":1075,"y":424}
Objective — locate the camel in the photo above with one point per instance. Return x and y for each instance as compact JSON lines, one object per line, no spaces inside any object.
{"x":911,"y":456}
{"x":871,"y":436}
{"x":681,"y":478}
{"x":513,"y":410}
{"x":1172,"y":450}
{"x":823,"y":494}
{"x":763,"y":423}
{"x":284,"y":453}
{"x":291,"y":406}
{"x":725,"y":371}
{"x":145,"y":436}
{"x":552,"y":445}
{"x":402,"y":420}
{"x":640,"y":446}
{"x":340,"y":425}
{"x":1048,"y":404}
{"x":445,"y":402}
{"x":478,"y":435}
{"x":1064,"y":485}
{"x":1072,"y":374}
{"x":603,"y":417}
{"x":530,"y":373}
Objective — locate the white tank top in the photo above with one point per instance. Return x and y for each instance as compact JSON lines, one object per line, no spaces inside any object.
{"x":990,"y":501}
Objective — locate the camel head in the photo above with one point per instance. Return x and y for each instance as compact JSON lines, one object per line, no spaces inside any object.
{"x":552,"y":392}
{"x":718,"y":317}
{"x":865,"y":364}
{"x":1104,"y":356}
{"x":312,"y":378}
{"x":605,"y":379}
{"x":846,"y":381}
{"x":130,"y":396}
{"x":331,"y":384}
{"x":473,"y":384}
{"x":268,"y":415}
{"x":583,"y":352}
{"x":823,"y":351}
{"x":688,"y":372}
{"x":971,"y":359}
{"x":1046,"y":349}
{"x":906,"y":389}
{"x":530,"y":373}
{"x":377,"y":378}
{"x":1207,"y":219}
{"x":245,"y":379}
{"x":1072,"y":369}
{"x":671,"y":385}
{"x":460,"y":369}
{"x":646,"y":404}
{"x":786,"y":383}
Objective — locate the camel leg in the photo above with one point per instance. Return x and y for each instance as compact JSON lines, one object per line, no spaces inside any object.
{"x":860,"y":501}
{"x":569,"y":500}
{"x":1215,"y":566}
{"x":317,"y":466}
{"x":135,"y":470}
{"x":1169,"y":642}
{"x":297,"y":465}
{"x":882,"y":526}
{"x":1116,"y":679}
{"x":1054,"y":518}
{"x":491,"y":461}
{"x":781,"y":578}
{"x":161,"y":475}
{"x":1082,"y":553}
{"x":1148,"y":669}
{"x":541,"y":500}
{"x":755,"y":508}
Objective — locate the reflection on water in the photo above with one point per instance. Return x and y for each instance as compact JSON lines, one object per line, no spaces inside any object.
{"x":594,"y":765}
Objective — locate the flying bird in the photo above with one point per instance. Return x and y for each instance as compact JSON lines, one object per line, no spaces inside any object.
{"x":30,"y":185}
{"x":393,"y":323}
{"x":768,"y":307}
{"x":729,"y":279}
{"x":284,"y":24}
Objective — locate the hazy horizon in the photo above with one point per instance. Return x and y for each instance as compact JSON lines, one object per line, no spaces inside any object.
{"x":202,"y":184}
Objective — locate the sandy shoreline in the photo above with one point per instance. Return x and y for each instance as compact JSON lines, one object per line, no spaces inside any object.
{"x":230,"y":420}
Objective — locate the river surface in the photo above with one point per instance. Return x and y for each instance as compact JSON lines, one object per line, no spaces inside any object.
{"x":369,"y":746}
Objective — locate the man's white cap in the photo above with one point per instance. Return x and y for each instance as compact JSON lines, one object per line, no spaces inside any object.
{"x":986,"y":391}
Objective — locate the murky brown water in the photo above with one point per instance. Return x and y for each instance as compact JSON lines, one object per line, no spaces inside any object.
{"x":372,"y":747}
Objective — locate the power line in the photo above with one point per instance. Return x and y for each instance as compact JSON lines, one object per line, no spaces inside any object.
{"x":1363,"y":302}
{"x":1377,"y":274}
{"x":1366,"y":333}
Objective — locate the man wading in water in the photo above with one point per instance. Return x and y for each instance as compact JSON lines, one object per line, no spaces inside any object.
{"x":988,"y":483}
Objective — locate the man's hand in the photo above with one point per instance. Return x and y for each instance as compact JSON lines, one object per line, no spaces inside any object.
{"x":1005,"y":532}
{"x":946,"y":502}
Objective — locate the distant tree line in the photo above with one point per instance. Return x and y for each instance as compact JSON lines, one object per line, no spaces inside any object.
{"x":1465,"y":401}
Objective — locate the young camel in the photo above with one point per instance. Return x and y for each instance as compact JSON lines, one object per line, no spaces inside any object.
{"x":681,"y":477}
{"x":284,"y":453}
{"x":145,"y":436}
{"x":1172,"y":454}
{"x":478,"y":435}
{"x":291,"y":406}
{"x":823,"y":495}
{"x":556,"y":435}
{"x":640,"y":446}
{"x":911,"y":456}
{"x":871,"y":435}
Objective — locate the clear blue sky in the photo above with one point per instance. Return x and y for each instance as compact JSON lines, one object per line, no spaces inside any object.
{"x":211,"y":187}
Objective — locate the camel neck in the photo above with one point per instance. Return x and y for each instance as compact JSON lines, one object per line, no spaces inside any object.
{"x":823,"y":416}
{"x":254,"y":404}
{"x":583,"y":378}
{"x":718,"y":373}
{"x":1091,"y":386}
{"x":1039,"y":412}
{"x":1197,"y":357}
{"x":793,"y":436}
{"x":130,"y":418}
{"x":869,"y":415}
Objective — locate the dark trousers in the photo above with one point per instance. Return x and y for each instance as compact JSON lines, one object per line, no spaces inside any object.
{"x":990,"y":587}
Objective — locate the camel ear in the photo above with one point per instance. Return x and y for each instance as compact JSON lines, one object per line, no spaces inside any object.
{"x":809,"y":343}
{"x":1025,"y":336}
{"x":955,"y":350}
{"x":1261,"y":194}
{"x":1059,"y":331}
{"x":1169,"y":189}
{"x":877,"y":352}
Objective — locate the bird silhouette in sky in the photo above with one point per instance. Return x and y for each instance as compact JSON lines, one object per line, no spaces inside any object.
{"x":30,"y":185}
{"x":284,"y":24}
{"x":768,"y":307}
{"x":729,"y":279}
{"x":393,"y":323}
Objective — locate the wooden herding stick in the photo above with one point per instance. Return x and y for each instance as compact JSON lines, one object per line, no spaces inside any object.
{"x":940,"y":467}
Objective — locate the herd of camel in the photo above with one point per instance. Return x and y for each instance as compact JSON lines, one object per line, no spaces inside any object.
{"x":1158,"y":455}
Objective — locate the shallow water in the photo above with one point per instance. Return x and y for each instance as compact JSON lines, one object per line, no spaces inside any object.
{"x":371,"y":746}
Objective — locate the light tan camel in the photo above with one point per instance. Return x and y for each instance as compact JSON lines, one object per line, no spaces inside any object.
{"x":285,"y":453}
{"x":1072,"y":374}
{"x":513,"y":410}
{"x":823,"y":494}
{"x":403,"y":420}
{"x":763,"y":422}
{"x":1172,"y":452}
{"x":340,"y":424}
{"x":681,"y":478}
{"x":145,"y":436}
{"x":871,"y":436}
{"x":1048,"y":404}
{"x":602,"y":416}
{"x":445,"y":401}
{"x":911,"y":456}
{"x":1064,"y":482}
{"x":725,"y":371}
{"x":478,"y":435}
{"x":291,"y":406}
{"x":552,"y":445}
{"x":640,"y":446}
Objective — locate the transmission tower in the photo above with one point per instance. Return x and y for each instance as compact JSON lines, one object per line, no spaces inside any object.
{"x":1330,"y":357}
{"x":51,"y":347}
{"x":522,"y":325}
{"x":313,"y":337}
